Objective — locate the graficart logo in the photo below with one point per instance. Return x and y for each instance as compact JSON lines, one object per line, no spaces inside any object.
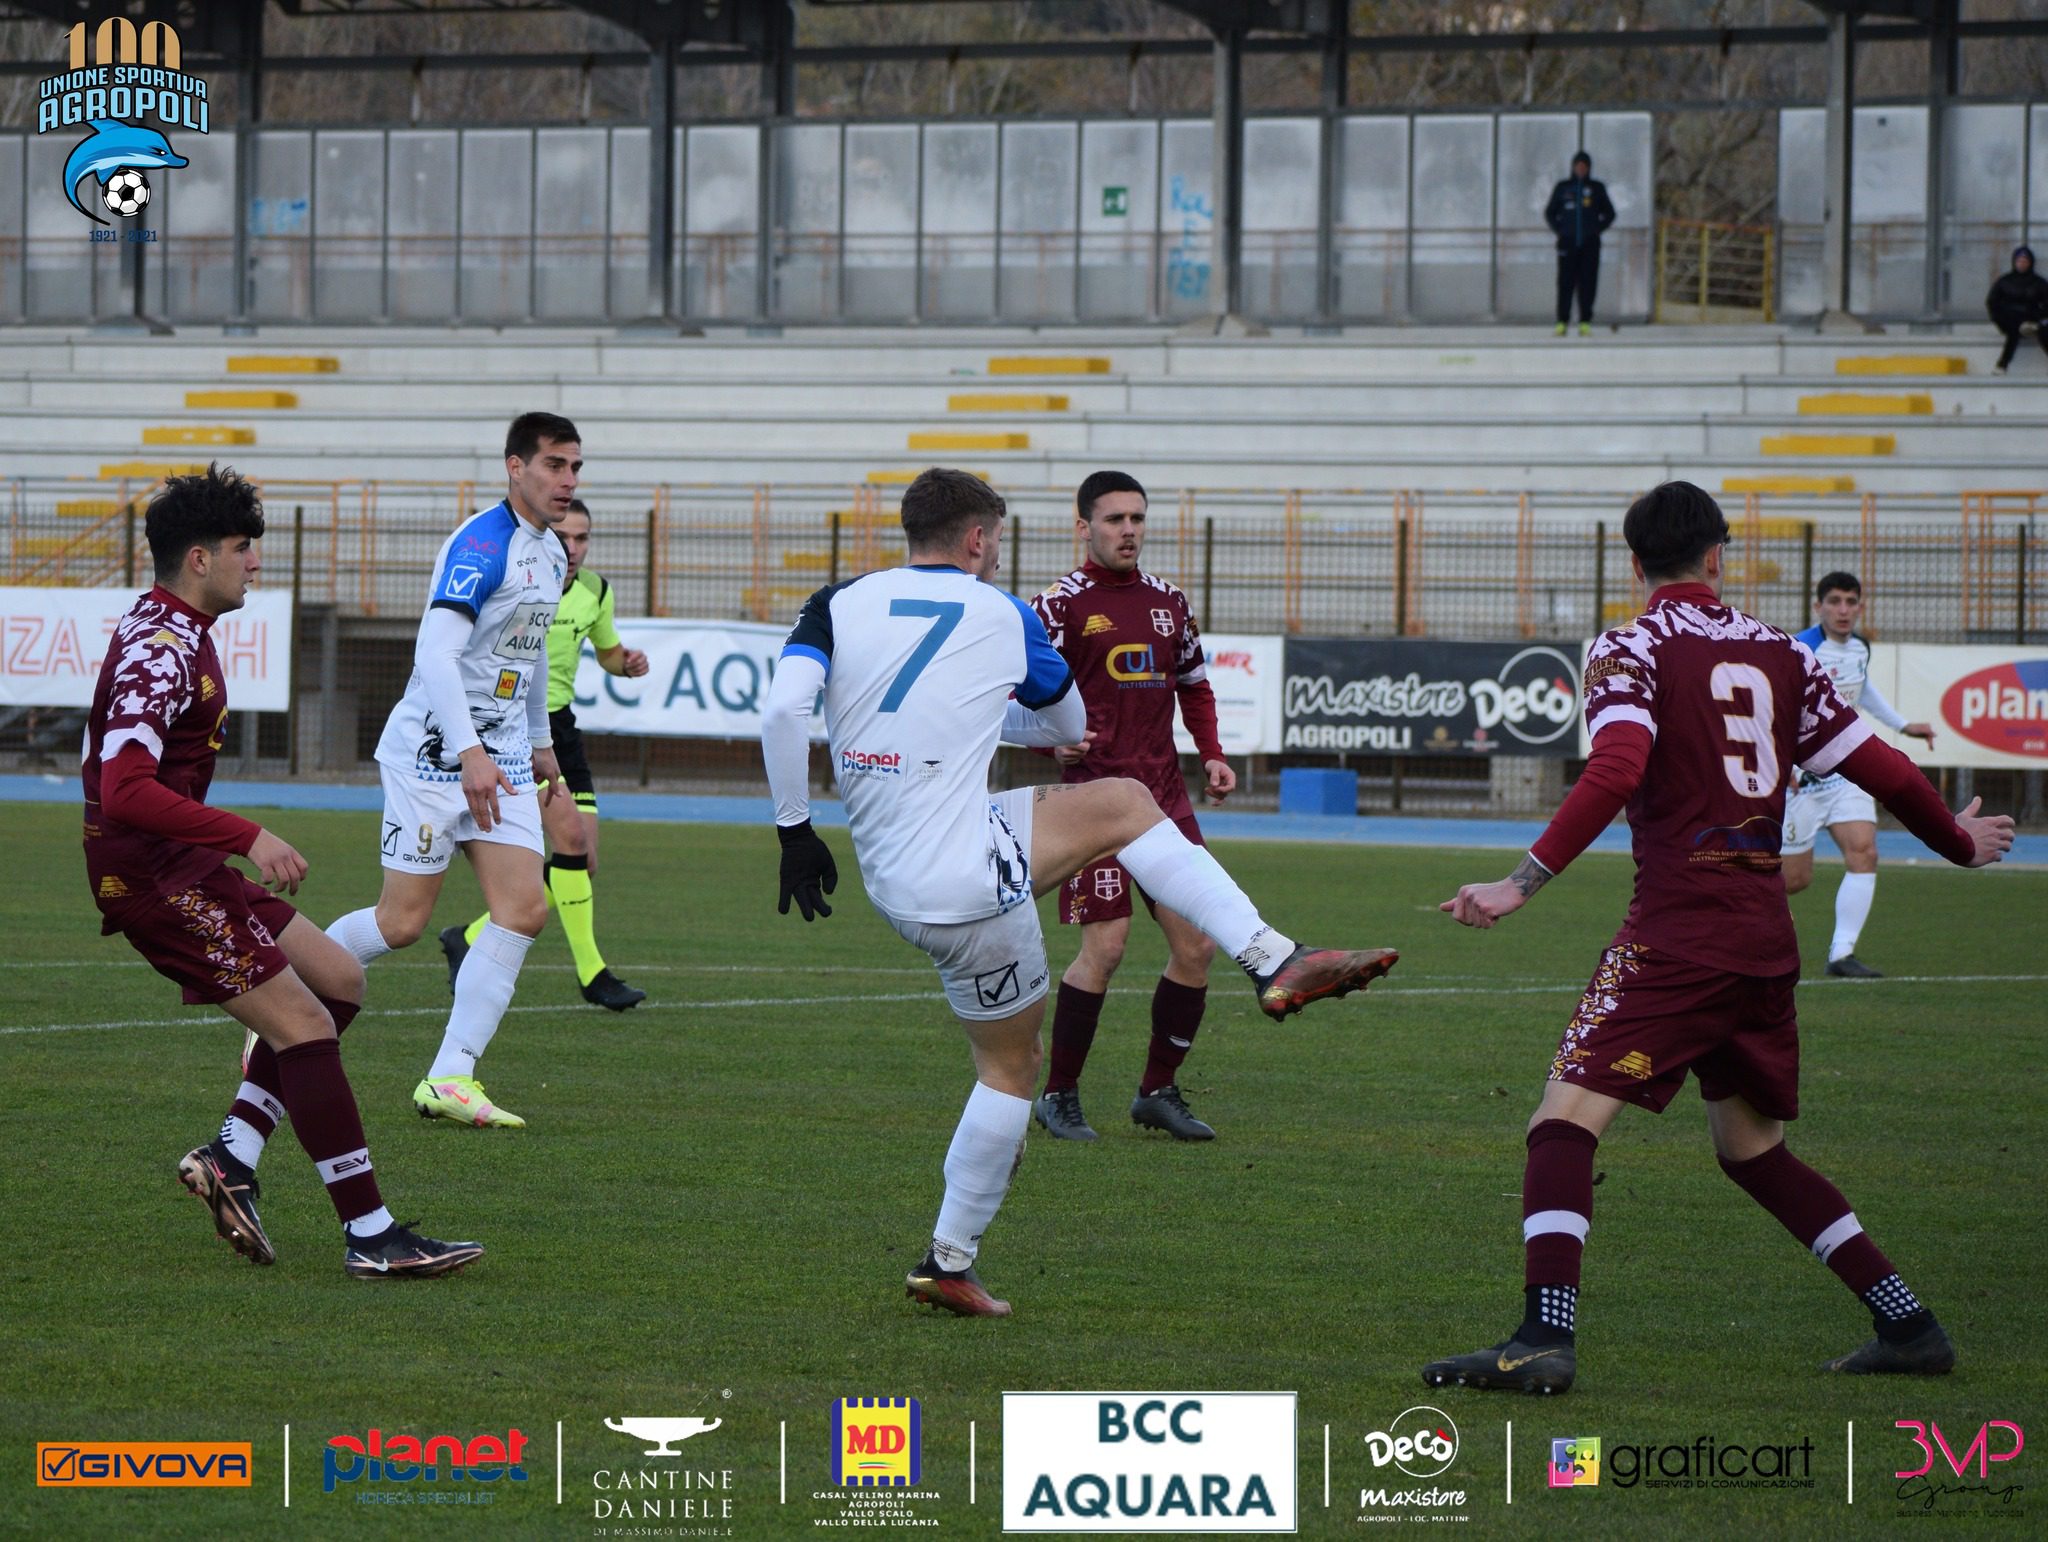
{"x":117,"y":76}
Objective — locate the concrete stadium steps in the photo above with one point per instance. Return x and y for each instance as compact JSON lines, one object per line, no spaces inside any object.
{"x":1433,"y":408}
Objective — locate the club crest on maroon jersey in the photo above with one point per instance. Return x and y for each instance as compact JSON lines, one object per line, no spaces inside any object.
{"x":1162,"y":622}
{"x":1109,"y":882}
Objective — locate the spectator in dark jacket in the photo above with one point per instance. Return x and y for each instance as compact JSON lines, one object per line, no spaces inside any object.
{"x":1578,"y":211}
{"x":2019,"y":300}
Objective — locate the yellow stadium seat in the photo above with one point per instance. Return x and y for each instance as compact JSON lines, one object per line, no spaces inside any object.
{"x":1829,"y":444}
{"x":957,"y":441}
{"x":1031,"y":364}
{"x":1856,"y":404}
{"x":241,"y":400}
{"x":194,"y":433}
{"x":1902,"y":364}
{"x":281,"y":364}
{"x":1788,"y":484}
{"x":996,"y":401}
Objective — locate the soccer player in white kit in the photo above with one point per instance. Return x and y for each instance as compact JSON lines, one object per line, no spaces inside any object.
{"x":466,"y":756}
{"x":918,"y":666}
{"x":1834,"y":803}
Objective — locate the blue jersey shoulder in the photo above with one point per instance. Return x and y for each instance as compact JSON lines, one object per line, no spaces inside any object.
{"x":475,"y":564}
{"x":1046,"y":676}
{"x":1811,"y":637}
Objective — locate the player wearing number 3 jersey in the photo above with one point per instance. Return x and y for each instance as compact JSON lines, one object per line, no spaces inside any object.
{"x":1695,"y":712}
{"x":923,"y":669}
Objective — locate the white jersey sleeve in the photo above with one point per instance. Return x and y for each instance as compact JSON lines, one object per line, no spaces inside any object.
{"x":505,"y":576}
{"x":920,"y":666}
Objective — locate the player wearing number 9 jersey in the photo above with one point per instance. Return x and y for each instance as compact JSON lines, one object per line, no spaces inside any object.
{"x":1695,"y":711}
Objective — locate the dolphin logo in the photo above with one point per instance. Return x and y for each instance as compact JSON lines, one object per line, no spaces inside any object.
{"x":111,"y":146}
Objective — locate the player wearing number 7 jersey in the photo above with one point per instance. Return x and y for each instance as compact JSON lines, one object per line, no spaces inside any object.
{"x":919,"y":666}
{"x":1695,"y":710}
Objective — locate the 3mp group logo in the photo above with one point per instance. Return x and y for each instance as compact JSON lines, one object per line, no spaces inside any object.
{"x":142,"y":1464}
{"x":1954,"y":1476}
{"x":1149,"y":1461}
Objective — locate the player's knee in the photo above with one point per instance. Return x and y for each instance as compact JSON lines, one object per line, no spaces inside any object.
{"x":1194,"y":957}
{"x":1133,"y":806}
{"x":1795,"y":881}
{"x":1105,"y":955}
{"x":346,"y":978}
{"x":527,"y":916}
{"x":400,"y":926}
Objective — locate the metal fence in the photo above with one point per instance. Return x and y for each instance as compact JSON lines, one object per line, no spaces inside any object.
{"x":1472,"y":565}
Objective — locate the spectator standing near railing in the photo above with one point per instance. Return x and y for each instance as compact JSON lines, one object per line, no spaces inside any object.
{"x":1579,"y":210}
{"x":2018,"y":301}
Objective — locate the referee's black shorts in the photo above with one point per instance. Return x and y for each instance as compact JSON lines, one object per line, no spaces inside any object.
{"x":569,"y":756}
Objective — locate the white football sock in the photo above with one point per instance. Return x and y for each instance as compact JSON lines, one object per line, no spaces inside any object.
{"x":483,"y":990}
{"x":1185,"y":879}
{"x":1852,"y":909}
{"x":984,"y":1154}
{"x":364,"y":1227}
{"x":244,"y":1142}
{"x":357,"y":931}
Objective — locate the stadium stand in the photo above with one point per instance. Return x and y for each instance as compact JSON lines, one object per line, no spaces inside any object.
{"x":1434,"y":410}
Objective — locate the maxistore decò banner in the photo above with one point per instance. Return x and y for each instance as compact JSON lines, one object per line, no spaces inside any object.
{"x":1418,"y":696}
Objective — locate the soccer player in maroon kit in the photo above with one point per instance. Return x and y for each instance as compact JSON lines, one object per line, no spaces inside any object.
{"x":156,"y":861}
{"x":1696,"y":711}
{"x":1130,"y":639}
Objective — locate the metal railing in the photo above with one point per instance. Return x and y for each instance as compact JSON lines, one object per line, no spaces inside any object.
{"x":1935,"y":568}
{"x":1713,"y":272}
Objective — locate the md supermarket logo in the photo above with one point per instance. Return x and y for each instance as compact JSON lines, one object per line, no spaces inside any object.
{"x":877,"y":1442}
{"x":1575,"y":1462}
{"x":142,"y":1464}
{"x":877,"y":1466}
{"x":118,"y":76}
{"x":1149,"y":1461}
{"x":1419,"y":1442}
{"x":1952,"y":1476}
{"x":397,"y":1469}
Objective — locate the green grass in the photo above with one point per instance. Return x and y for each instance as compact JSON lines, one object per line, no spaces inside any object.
{"x":717,"y":1196}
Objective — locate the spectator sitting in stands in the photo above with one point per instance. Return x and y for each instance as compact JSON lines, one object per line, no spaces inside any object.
{"x":2018,"y":303}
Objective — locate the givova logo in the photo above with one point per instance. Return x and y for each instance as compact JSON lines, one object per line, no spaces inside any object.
{"x":877,"y":1442}
{"x":1149,"y":1461}
{"x":142,"y":1464}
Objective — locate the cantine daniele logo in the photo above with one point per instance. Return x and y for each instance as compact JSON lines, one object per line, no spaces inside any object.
{"x":118,"y":76}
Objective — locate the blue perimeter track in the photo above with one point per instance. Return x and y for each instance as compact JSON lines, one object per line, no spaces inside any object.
{"x":691,"y":808}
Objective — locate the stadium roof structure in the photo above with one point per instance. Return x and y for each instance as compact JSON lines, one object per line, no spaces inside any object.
{"x":681,"y":33}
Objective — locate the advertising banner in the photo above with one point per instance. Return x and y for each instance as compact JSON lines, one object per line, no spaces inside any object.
{"x":1988,"y":706}
{"x":704,"y":680}
{"x":1414,"y":696}
{"x":1244,"y":672}
{"x":52,"y":642}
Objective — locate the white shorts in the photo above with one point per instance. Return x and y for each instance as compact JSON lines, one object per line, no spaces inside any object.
{"x":1833,"y":800}
{"x":425,"y":821}
{"x":995,"y":966}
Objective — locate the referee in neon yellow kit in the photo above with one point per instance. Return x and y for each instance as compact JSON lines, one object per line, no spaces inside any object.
{"x":585,"y":612}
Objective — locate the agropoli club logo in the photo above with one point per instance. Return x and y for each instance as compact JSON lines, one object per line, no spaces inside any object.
{"x":118,"y":77}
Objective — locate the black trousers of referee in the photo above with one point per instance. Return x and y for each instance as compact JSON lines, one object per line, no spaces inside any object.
{"x":1577,"y":271}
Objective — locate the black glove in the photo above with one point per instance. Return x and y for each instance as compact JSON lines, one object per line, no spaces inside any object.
{"x":807,"y":867}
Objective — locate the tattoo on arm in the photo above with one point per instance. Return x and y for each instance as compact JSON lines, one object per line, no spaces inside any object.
{"x":1529,"y":877}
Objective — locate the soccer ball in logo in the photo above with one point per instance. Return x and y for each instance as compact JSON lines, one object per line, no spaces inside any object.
{"x":126,"y":191}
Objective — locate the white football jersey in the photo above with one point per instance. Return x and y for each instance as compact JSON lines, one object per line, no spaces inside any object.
{"x":920,"y":664}
{"x":1848,"y":665}
{"x":507,"y":577}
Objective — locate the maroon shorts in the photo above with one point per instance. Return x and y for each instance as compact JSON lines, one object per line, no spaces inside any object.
{"x":1103,"y":892}
{"x":217,"y":937}
{"x":1648,"y":1018}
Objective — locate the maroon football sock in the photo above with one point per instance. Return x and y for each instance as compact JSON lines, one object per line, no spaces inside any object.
{"x":1176,"y":1016}
{"x":1557,"y":1212}
{"x":260,"y":1068}
{"x":322,"y":1106}
{"x":1074,"y":1019}
{"x":1814,"y":1211}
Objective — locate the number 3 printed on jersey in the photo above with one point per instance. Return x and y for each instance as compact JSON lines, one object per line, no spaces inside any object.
{"x":1753,"y":771}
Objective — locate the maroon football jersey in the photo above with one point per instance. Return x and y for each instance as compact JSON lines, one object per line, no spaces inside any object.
{"x":1131,"y":642}
{"x":160,"y":686}
{"x":1732,"y":703}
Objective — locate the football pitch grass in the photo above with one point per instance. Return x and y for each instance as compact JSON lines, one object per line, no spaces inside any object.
{"x":712,"y":1208}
